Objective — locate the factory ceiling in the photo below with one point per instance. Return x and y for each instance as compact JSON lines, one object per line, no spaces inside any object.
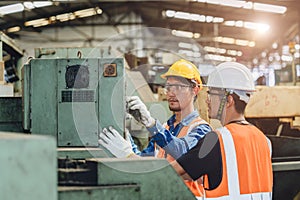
{"x":194,"y":17}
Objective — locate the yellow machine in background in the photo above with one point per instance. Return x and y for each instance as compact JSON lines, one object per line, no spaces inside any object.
{"x":278,"y":105}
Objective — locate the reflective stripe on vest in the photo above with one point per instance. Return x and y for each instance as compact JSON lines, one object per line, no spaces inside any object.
{"x":232,"y":169}
{"x":228,"y":149}
{"x":253,"y":196}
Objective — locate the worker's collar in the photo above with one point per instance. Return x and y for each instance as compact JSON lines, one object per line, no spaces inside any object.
{"x":186,"y":121}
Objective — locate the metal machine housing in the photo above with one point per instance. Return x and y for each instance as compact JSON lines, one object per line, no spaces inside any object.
{"x":73,"y":99}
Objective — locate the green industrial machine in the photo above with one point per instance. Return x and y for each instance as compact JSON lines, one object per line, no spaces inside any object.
{"x":73,"y":99}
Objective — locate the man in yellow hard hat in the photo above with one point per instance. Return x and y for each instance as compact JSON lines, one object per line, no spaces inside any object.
{"x":180,"y":133}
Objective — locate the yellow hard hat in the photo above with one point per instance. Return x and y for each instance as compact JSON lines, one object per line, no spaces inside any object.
{"x":185,"y":69}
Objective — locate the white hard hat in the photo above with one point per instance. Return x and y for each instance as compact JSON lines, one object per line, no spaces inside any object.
{"x":232,"y":76}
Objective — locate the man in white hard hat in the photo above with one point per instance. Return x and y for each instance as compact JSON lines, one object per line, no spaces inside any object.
{"x":181,"y":132}
{"x":235,"y":160}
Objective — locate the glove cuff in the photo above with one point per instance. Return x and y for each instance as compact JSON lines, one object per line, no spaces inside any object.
{"x":150,"y":123}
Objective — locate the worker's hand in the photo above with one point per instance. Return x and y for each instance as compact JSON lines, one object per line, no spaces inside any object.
{"x":135,"y":104}
{"x":115,"y":143}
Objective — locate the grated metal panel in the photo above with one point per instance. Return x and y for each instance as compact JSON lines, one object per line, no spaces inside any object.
{"x":77,"y":96}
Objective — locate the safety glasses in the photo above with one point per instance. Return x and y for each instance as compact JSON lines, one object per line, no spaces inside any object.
{"x":175,"y":87}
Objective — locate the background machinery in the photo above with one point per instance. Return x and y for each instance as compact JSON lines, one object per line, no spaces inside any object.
{"x":276,"y":112}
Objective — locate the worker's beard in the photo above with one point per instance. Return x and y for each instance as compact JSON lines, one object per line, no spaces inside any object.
{"x":174,"y":105}
{"x":174,"y":109}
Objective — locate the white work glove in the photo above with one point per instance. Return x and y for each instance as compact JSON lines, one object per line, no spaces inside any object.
{"x":134,"y":103}
{"x":115,"y":143}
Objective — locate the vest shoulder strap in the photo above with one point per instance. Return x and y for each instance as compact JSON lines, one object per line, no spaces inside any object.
{"x":196,"y":122}
{"x":231,"y":163}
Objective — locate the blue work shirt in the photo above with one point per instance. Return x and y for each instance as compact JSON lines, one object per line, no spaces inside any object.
{"x":167,"y":139}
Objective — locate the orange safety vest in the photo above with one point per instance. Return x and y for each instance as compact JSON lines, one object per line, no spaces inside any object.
{"x":196,"y":188}
{"x":247,"y":167}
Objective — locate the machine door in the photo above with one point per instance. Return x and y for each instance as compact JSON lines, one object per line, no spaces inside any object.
{"x":77,"y":102}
